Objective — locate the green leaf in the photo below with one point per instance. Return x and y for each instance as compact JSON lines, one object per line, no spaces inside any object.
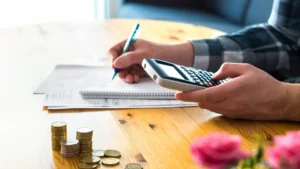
{"x":259,"y":153}
{"x":233,"y":165}
{"x":247,"y":163}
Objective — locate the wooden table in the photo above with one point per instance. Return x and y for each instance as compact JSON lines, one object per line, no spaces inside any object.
{"x":156,"y":138}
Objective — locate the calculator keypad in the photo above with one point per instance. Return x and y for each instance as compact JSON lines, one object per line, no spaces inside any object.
{"x":202,"y":77}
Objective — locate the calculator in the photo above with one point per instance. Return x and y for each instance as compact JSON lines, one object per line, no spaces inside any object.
{"x":178,"y":77}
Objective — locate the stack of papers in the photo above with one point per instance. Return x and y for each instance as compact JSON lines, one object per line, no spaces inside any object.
{"x":62,"y":89}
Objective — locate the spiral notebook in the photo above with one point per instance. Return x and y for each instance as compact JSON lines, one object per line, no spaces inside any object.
{"x":80,"y":86}
{"x":132,"y":95}
{"x":146,"y":89}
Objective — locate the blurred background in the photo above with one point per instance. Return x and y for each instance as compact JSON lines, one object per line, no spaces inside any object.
{"x":224,"y":15}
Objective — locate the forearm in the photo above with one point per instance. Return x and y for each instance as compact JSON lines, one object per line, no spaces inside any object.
{"x":261,"y":46}
{"x":292,"y":104}
{"x":181,"y":53}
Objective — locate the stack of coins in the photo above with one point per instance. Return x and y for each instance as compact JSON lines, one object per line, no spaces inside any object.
{"x":70,"y":148}
{"x":84,"y":135}
{"x":58,"y":133}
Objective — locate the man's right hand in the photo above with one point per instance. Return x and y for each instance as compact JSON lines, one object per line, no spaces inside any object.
{"x":130,"y":62}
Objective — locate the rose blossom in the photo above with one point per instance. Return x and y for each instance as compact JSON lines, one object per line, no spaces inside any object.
{"x":285,"y":154}
{"x":217,"y":150}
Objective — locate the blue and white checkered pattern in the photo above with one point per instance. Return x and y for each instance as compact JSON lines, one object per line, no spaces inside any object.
{"x":273,"y":46}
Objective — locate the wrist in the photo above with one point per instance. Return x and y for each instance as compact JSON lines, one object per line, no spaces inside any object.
{"x":180,"y":53}
{"x":292,"y":102}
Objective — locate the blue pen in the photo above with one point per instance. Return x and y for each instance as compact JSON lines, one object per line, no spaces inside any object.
{"x":132,"y":38}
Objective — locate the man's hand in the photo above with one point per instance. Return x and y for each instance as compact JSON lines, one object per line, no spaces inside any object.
{"x":251,"y":94}
{"x":130,"y":62}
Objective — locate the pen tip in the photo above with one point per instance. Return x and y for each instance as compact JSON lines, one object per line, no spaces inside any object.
{"x":113,"y":76}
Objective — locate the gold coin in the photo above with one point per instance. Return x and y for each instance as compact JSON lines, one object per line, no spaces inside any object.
{"x":98,"y":153}
{"x":87,"y":166}
{"x":56,"y":147}
{"x":58,"y":126}
{"x":90,"y":159}
{"x":83,"y":154}
{"x":133,"y":166}
{"x":62,"y":137}
{"x":84,"y":130}
{"x":112,"y":153}
{"x":86,"y":151}
{"x":58,"y":134}
{"x":110,"y":161}
{"x":83,"y":146}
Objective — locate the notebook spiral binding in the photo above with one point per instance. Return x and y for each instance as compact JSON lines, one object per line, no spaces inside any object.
{"x":126,"y":95}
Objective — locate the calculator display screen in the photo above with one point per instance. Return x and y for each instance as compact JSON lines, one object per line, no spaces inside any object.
{"x":171,"y":71}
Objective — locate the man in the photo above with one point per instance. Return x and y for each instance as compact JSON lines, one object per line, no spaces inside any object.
{"x":252,"y":94}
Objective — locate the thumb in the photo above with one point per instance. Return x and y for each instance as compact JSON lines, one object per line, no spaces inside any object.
{"x":128,"y":59}
{"x":229,"y":70}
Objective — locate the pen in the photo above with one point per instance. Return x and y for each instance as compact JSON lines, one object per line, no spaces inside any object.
{"x":132,"y":38}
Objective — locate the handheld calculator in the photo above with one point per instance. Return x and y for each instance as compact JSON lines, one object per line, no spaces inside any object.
{"x":178,"y":77}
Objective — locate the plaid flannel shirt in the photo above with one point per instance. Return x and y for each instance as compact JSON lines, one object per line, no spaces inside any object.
{"x":272,"y":47}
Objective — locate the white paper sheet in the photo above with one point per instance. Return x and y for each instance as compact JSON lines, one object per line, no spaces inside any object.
{"x":71,"y":77}
{"x":64,"y":83}
{"x":71,"y":99}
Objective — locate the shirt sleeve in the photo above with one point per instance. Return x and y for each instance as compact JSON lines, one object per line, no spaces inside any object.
{"x":271,"y":47}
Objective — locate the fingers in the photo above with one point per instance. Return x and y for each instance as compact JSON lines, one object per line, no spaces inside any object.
{"x":122,"y":74}
{"x":128,"y":59}
{"x":130,"y":75}
{"x":209,"y":95}
{"x":129,"y":78}
{"x":230,"y":70}
{"x":116,"y":50}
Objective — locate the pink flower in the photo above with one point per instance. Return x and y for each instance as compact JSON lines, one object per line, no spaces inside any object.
{"x":285,"y":154}
{"x":217,"y":150}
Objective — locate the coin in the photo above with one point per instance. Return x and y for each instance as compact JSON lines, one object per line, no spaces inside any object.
{"x":86,"y":151}
{"x":83,"y":154}
{"x":85,"y":146}
{"x":84,"y":132}
{"x":112,"y":153}
{"x":133,"y":166}
{"x":87,"y":166}
{"x":90,"y":159}
{"x":70,"y":149}
{"x":69,"y":142}
{"x":70,"y":155}
{"x":58,"y":126}
{"x":110,"y":161}
{"x":59,"y":134}
{"x":98,"y":153}
{"x":61,"y":137}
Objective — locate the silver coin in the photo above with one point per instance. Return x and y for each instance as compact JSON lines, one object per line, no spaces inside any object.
{"x":110,"y":161}
{"x":98,"y":153}
{"x":87,"y":166}
{"x":133,"y":166}
{"x":69,"y":142}
{"x":90,"y":159}
{"x":112,"y":153}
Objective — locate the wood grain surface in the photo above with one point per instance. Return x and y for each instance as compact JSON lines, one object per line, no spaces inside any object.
{"x":155,"y":138}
